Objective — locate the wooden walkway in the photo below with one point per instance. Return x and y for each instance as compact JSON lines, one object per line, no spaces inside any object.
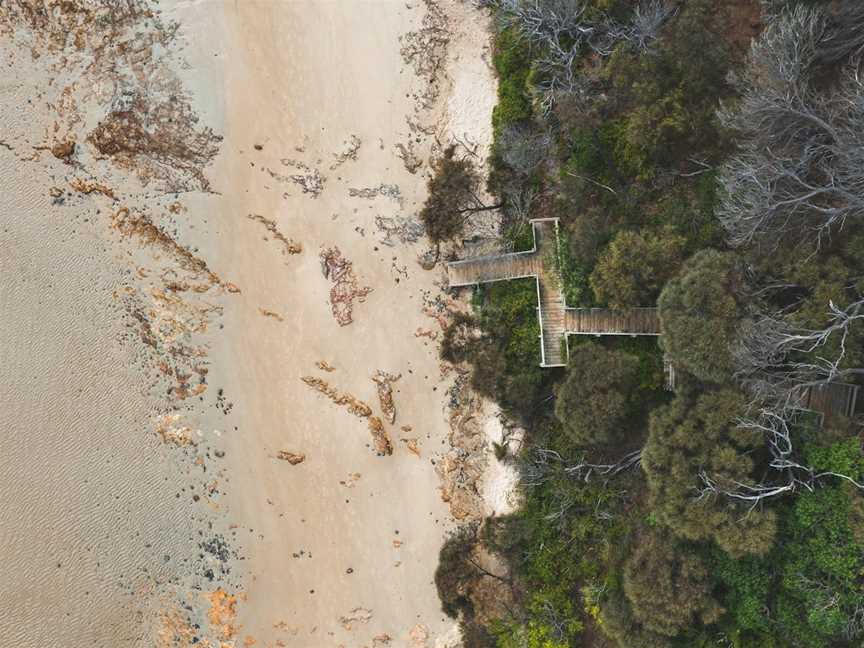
{"x":517,"y":265}
{"x":605,"y":321}
{"x":556,"y":320}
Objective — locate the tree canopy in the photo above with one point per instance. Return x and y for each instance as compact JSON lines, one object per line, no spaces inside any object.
{"x":690,"y":440}
{"x":593,"y":402}
{"x":700,"y":313}
{"x":635,"y":267}
{"x":453,"y":197}
{"x":668,"y":588}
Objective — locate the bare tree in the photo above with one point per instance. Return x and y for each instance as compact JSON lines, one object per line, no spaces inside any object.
{"x":844,"y":38}
{"x":564,"y":30}
{"x":648,"y":19}
{"x":800,"y":170}
{"x":778,"y":361}
{"x":786,"y":474}
{"x":522,"y":148}
{"x":544,"y":461}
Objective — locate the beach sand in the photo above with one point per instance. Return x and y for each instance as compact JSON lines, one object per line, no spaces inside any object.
{"x":328,"y":120}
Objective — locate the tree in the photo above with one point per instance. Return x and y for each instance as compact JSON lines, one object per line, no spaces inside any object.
{"x":776,"y":359}
{"x":453,"y":197}
{"x":635,"y":267}
{"x":564,"y":31}
{"x":457,"y":572}
{"x":668,"y":588}
{"x":700,"y":313}
{"x":690,"y":440}
{"x":619,"y":623}
{"x":595,"y":401}
{"x":800,"y":169}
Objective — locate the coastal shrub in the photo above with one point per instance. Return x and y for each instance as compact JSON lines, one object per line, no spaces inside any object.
{"x":668,"y":588}
{"x":699,"y":315}
{"x":807,"y":592}
{"x":650,"y":378}
{"x":512,"y":61}
{"x":619,"y":623}
{"x":572,"y":275}
{"x":595,"y":400}
{"x":452,"y":197}
{"x":635,"y":266}
{"x":691,"y":437}
{"x":688,"y":209}
{"x":506,"y":364}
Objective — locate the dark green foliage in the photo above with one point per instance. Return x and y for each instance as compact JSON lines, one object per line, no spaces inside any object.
{"x":670,"y":95}
{"x":746,"y":584}
{"x":565,"y":534}
{"x":506,"y":359}
{"x":619,"y":623}
{"x":635,"y":266}
{"x":689,"y":437}
{"x":806,"y":592}
{"x":512,"y":62}
{"x":573,"y":277}
{"x":456,"y":572}
{"x":668,"y":588}
{"x":596,"y":399}
{"x":452,"y":197}
{"x":699,"y":315}
{"x":520,"y":236}
{"x":689,"y":210}
{"x":649,"y":377}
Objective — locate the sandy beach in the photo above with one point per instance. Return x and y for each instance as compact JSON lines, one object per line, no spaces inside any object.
{"x":255,"y":290}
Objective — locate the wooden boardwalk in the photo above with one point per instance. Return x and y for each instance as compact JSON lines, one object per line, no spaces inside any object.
{"x":517,"y":265}
{"x":606,"y":321}
{"x":556,"y":320}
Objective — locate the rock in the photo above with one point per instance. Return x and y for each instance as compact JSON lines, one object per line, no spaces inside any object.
{"x":63,"y":150}
{"x":293,"y":458}
{"x":428,"y":259}
{"x":357,"y":615}
{"x":384,"y":382}
{"x":380,"y":439}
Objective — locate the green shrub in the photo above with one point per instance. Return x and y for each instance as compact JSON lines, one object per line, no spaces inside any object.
{"x":512,"y":61}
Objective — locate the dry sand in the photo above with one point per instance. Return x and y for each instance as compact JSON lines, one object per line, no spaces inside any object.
{"x":324,"y":124}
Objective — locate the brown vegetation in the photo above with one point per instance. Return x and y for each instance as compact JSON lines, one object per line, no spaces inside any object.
{"x":345,"y":288}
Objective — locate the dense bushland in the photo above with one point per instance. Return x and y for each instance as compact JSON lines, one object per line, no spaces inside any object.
{"x":704,"y":156}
